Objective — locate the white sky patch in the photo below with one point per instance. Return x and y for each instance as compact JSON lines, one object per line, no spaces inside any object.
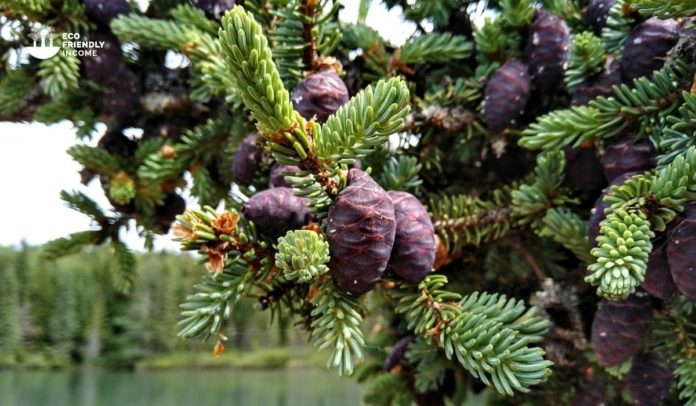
{"x":34,"y":166}
{"x":389,"y":23}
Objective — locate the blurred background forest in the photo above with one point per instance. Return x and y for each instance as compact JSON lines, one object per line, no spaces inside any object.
{"x":92,"y":322}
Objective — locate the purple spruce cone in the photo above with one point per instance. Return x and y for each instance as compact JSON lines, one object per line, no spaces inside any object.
{"x":649,"y":380}
{"x":681,"y":253}
{"x":646,"y":46}
{"x":658,"y":279}
{"x":360,"y":232}
{"x":596,"y":13}
{"x":507,"y":92}
{"x":414,"y":243}
{"x":397,"y":353}
{"x":547,"y":49}
{"x":598,"y":86}
{"x":319,"y":95}
{"x":103,"y":11}
{"x":628,"y":155}
{"x":278,"y":172}
{"x":619,"y":328}
{"x":276,"y":211}
{"x":247,"y":160}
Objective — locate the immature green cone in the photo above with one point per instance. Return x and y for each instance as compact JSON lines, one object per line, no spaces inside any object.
{"x":622,"y":254}
{"x":302,"y":255}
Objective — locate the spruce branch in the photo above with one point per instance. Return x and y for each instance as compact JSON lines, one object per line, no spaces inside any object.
{"x":665,"y":9}
{"x":618,"y":24}
{"x":125,"y":261}
{"x":250,"y":63}
{"x":95,"y":158}
{"x":302,"y":32}
{"x":400,"y":173}
{"x":60,"y":74}
{"x":71,"y":244}
{"x":365,"y":121}
{"x":531,"y":200}
{"x":488,"y":335}
{"x":302,"y":255}
{"x":607,"y":117}
{"x":235,"y":262}
{"x":15,"y":86}
{"x":516,"y":13}
{"x":206,"y":311}
{"x":463,"y":220}
{"x":586,"y":59}
{"x":336,"y":320}
{"x":436,"y":47}
{"x":152,"y":33}
{"x":621,"y":254}
{"x":673,"y":185}
{"x":190,"y":16}
{"x":568,"y":229}
{"x":674,"y":335}
{"x":677,"y":136}
{"x":77,"y":200}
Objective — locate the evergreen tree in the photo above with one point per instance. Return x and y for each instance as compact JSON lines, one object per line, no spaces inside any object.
{"x":63,"y":325}
{"x":427,"y":190}
{"x":10,"y":333}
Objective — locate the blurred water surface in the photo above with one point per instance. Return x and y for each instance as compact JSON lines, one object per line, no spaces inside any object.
{"x":282,"y":387}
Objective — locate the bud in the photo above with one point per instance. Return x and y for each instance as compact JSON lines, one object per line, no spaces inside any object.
{"x":413,"y":254}
{"x":319,"y":95}
{"x":361,"y":228}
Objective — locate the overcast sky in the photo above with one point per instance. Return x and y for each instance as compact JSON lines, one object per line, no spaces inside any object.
{"x":34,"y":167}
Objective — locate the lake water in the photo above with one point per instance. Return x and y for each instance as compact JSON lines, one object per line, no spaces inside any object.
{"x":286,"y":387}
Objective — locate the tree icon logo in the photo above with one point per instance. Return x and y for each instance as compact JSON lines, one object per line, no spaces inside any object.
{"x":43,"y":47}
